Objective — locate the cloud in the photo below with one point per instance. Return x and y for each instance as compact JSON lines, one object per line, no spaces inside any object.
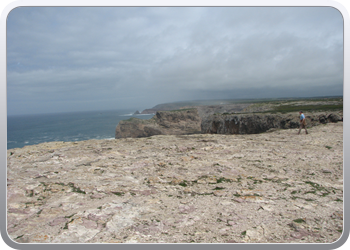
{"x":109,"y":57}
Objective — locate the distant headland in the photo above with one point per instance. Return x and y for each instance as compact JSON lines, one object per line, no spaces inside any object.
{"x":231,"y":116}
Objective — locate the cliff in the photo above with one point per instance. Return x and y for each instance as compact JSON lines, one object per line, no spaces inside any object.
{"x":176,"y":122}
{"x":192,"y":121}
{"x":258,"y":123}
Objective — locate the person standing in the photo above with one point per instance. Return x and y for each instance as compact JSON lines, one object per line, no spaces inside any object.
{"x":302,"y":122}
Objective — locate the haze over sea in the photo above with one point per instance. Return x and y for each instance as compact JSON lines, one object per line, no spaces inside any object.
{"x":23,"y":130}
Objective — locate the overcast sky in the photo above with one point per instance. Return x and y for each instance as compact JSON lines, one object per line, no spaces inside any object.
{"x":82,"y":58}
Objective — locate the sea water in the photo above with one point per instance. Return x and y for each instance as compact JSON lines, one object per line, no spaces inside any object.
{"x":23,"y":130}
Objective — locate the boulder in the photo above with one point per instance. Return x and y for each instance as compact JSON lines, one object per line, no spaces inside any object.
{"x":334,"y":118}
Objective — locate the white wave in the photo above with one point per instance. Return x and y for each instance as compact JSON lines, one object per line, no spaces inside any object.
{"x":145,"y":114}
{"x":126,"y":115}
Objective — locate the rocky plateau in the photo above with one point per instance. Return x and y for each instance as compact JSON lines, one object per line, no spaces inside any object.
{"x":272,"y":187}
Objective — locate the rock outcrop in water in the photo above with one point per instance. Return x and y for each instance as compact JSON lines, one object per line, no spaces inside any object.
{"x":177,"y":122}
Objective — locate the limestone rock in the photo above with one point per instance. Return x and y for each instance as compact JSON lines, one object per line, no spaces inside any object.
{"x":259,"y":123}
{"x":177,"y":122}
{"x":274,"y":187}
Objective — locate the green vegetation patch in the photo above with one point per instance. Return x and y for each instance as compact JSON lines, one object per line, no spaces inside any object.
{"x":205,"y":193}
{"x":70,"y":216}
{"x":317,"y":187}
{"x":118,"y":193}
{"x":223,"y":179}
{"x":183,"y":183}
{"x":19,"y":237}
{"x":299,"y":221}
{"x":308,"y":108}
{"x":179,"y":110}
{"x":66,"y":225}
{"x":76,"y":189}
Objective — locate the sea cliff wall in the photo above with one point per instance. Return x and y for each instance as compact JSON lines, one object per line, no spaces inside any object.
{"x":176,"y":122}
{"x":259,"y":123}
{"x":189,"y":121}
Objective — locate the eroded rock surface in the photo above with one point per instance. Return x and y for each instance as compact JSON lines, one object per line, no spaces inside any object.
{"x":259,"y":123}
{"x":177,"y":122}
{"x":203,"y":188}
{"x":195,"y":121}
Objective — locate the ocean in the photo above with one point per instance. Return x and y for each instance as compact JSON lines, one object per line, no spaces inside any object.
{"x":23,"y":130}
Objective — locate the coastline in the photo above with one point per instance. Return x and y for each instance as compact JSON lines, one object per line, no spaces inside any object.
{"x":74,"y":126}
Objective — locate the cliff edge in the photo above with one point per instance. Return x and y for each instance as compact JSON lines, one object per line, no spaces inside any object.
{"x":185,"y":122}
{"x":259,"y":123}
{"x":176,"y":122}
{"x":232,"y":118}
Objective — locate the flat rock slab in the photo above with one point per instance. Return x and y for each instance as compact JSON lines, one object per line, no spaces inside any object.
{"x":276,"y":187}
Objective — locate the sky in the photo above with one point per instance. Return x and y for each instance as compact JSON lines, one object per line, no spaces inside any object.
{"x":62,"y":59}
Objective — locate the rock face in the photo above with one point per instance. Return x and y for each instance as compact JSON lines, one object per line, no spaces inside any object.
{"x":273,"y":187}
{"x":190,"y":121}
{"x":259,"y":123}
{"x":176,"y":122}
{"x":149,"y":111}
